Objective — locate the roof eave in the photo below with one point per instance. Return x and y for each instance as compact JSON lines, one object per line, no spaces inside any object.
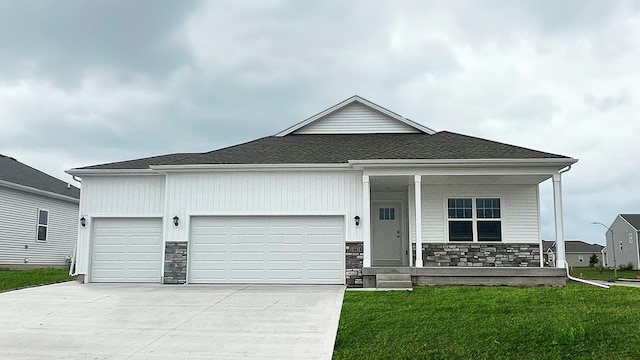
{"x":546,"y":162}
{"x":40,"y":192}
{"x":249,"y":167}
{"x":81,"y":172}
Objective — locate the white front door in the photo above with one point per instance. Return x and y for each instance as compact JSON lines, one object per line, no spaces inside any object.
{"x":388,"y":233}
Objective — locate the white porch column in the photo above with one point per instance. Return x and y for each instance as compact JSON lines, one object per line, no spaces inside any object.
{"x":417,"y":183}
{"x":366,"y":221}
{"x":557,"y":209}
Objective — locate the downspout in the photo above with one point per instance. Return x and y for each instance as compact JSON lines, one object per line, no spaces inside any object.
{"x":73,"y":266}
{"x":582,"y":280}
{"x":565,"y":258}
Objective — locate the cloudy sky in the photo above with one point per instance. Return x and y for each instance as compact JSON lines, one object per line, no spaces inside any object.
{"x":88,"y":82}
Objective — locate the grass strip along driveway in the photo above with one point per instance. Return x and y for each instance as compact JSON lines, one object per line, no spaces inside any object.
{"x":18,"y":279}
{"x":576,"y":322}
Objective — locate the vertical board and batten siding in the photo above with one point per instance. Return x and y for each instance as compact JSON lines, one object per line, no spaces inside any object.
{"x":519,"y":207}
{"x":356,"y":119}
{"x":123,"y":195}
{"x":19,"y":214}
{"x":265,"y":193}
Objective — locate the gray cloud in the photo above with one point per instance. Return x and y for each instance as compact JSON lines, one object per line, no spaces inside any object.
{"x":91,"y":82}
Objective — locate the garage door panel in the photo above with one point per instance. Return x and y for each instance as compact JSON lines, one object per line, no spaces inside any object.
{"x":126,"y":250}
{"x":267,"y":249}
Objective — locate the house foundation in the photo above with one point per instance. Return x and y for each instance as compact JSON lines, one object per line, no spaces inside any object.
{"x":473,"y":276}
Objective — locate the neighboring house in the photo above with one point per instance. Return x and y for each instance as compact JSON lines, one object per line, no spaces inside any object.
{"x":622,"y":238}
{"x":38,"y":217}
{"x":331,"y":200}
{"x":577,"y":252}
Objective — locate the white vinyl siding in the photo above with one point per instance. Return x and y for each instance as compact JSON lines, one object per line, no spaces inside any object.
{"x":267,"y":249}
{"x":126,"y":250}
{"x":19,"y":224}
{"x":356,"y":119}
{"x":519,"y":210}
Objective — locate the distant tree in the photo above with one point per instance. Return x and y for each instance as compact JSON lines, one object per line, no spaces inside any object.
{"x":593,"y":260}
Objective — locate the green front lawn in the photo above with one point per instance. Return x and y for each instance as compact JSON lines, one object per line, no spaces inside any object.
{"x":576,"y":322}
{"x":602,"y":274}
{"x":18,"y":279}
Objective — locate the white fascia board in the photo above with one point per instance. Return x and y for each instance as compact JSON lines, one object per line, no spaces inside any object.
{"x":249,"y":167}
{"x":390,"y":163}
{"x":349,"y":101}
{"x":39,"y":192}
{"x":110,"y":172}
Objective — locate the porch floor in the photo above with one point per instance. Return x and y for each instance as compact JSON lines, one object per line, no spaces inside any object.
{"x":458,"y":275}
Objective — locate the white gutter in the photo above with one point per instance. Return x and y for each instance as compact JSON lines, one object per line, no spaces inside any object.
{"x":39,"y":192}
{"x":593,"y":283}
{"x":80,"y":172}
{"x":465,"y":162}
{"x":249,"y":167}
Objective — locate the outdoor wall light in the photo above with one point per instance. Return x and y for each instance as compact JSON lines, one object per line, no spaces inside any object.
{"x":83,"y":222}
{"x":176,"y":220}
{"x":357,"y":220}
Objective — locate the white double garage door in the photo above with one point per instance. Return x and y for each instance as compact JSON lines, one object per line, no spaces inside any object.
{"x":225,"y":249}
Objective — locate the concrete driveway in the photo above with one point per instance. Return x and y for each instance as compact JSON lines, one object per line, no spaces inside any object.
{"x":122,"y":321}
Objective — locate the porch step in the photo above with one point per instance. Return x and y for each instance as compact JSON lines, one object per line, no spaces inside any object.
{"x":394,"y":281}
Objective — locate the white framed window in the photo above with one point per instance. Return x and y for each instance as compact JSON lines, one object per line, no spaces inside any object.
{"x":42,"y":230}
{"x":474,"y":219}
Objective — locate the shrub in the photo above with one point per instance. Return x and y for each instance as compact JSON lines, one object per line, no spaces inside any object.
{"x":628,"y":266}
{"x":593,"y":260}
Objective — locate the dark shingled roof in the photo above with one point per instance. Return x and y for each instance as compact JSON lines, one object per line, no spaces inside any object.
{"x":573,"y":246}
{"x":18,"y":173}
{"x":633,"y":219}
{"x":340,"y":148}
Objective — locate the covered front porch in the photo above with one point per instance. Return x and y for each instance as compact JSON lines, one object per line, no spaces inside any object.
{"x":457,"y":225}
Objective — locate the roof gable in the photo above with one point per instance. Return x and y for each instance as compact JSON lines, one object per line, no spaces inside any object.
{"x":356,"y":116}
{"x":14,"y":172}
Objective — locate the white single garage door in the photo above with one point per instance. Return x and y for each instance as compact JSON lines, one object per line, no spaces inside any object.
{"x":267,"y":249}
{"x":126,"y":250}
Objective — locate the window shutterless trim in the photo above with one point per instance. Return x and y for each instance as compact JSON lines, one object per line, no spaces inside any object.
{"x":489,"y":212}
{"x":44,"y":225}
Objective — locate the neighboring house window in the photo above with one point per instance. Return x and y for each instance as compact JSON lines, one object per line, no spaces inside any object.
{"x":580,"y":258}
{"x":387,"y":214}
{"x":478,"y":220}
{"x":43,"y":225}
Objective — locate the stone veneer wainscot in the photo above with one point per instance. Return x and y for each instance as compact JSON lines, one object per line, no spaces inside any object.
{"x":480,"y":254}
{"x":354,"y":256}
{"x":175,"y":262}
